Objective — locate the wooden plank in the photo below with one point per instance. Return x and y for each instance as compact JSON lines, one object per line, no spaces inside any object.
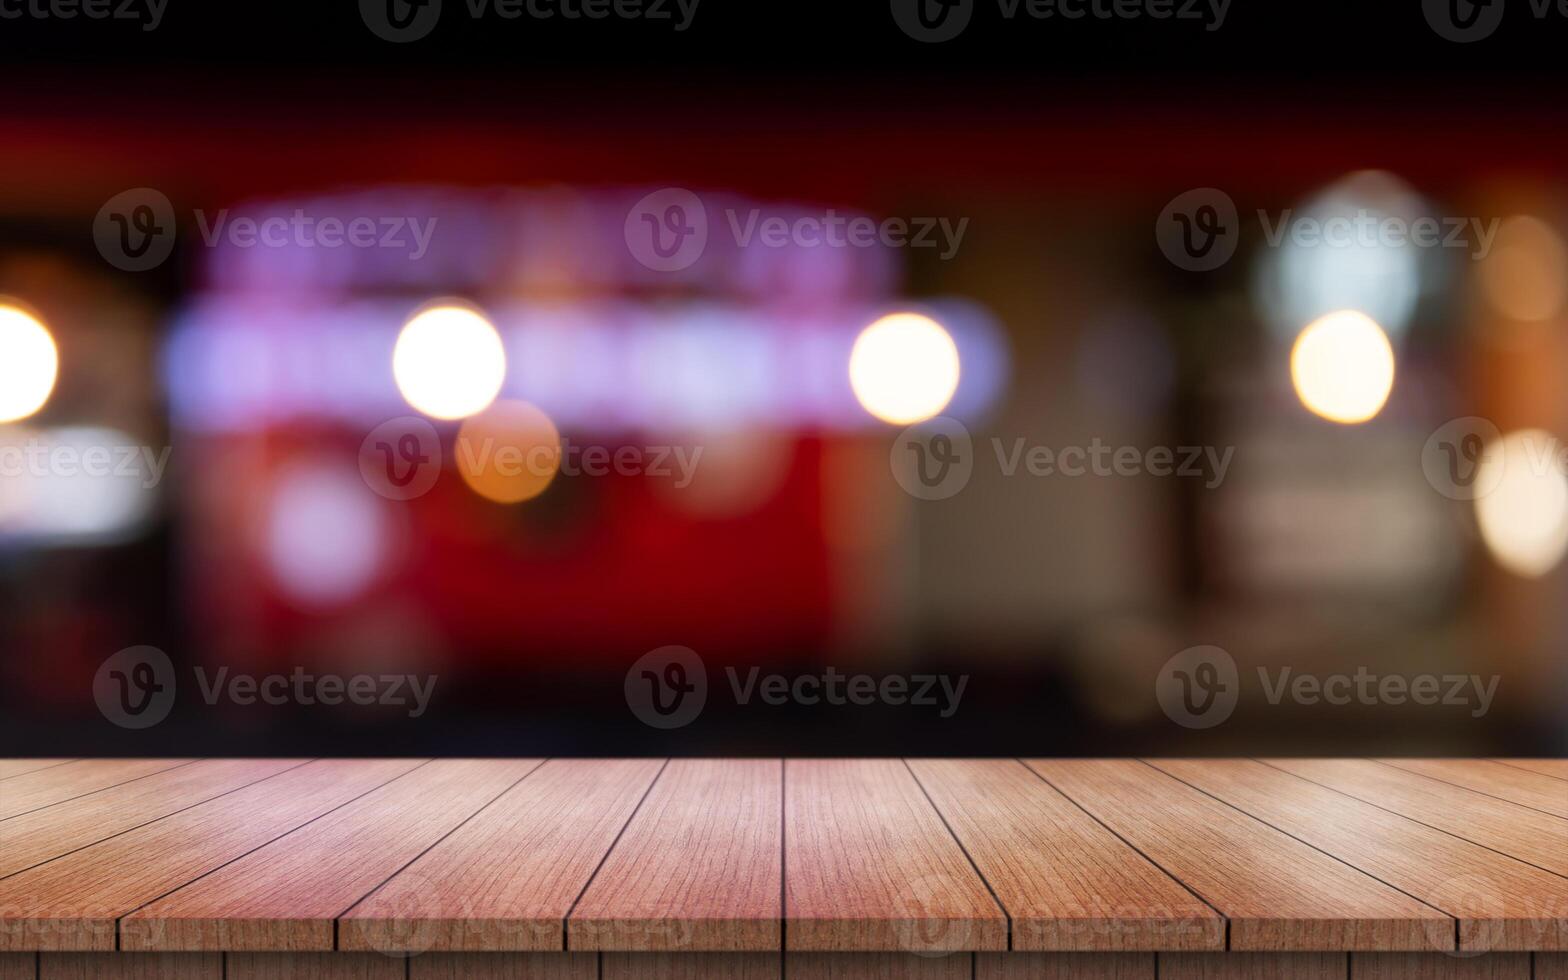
{"x":1501,"y":903}
{"x":699,"y":868}
{"x":73,"y":902}
{"x":1278,"y":893}
{"x":16,"y":767}
{"x":869,"y":865}
{"x":1529,"y":835}
{"x":1556,"y":768}
{"x":877,"y":966}
{"x":286,"y":895}
{"x":1416,"y":966}
{"x":1066,"y":881}
{"x":691,"y":966}
{"x":1529,"y":789}
{"x":1551,"y":966}
{"x":45,"y":787}
{"x":122,"y":966}
{"x":1064,"y":966}
{"x":506,"y":879}
{"x":18,"y":966}
{"x":36,"y":837}
{"x":504,"y":966}
{"x":313,"y":966}
{"x":1255,"y":966}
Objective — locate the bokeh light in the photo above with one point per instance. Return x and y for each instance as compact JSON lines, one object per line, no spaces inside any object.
{"x":1343,"y":367}
{"x":904,"y":368}
{"x":1332,"y":254}
{"x":327,"y":534}
{"x":29,"y":363}
{"x":508,"y":453}
{"x":1524,"y":519}
{"x":449,"y":362}
{"x":1525,"y":277}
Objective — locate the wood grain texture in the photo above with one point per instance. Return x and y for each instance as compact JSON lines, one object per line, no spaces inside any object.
{"x":1556,"y":768}
{"x":44,"y":787}
{"x":1501,"y":903}
{"x":18,"y":966}
{"x":506,"y":879}
{"x":286,"y":895}
{"x":1551,"y":966}
{"x":869,"y":865}
{"x":313,"y":966}
{"x":123,"y":966}
{"x":15,"y":767}
{"x":1278,"y":893}
{"x":1064,"y":966}
{"x":691,"y":966}
{"x":1410,"y":966}
{"x":36,"y":837}
{"x":1066,"y":881}
{"x":877,"y":966}
{"x":700,"y":867}
{"x":1256,"y":966}
{"x":73,"y":902}
{"x":1531,"y":789}
{"x":504,"y":966}
{"x":1539,"y":838}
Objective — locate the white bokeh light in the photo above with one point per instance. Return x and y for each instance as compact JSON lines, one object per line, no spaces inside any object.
{"x":1342,"y":366}
{"x":327,"y":534}
{"x":29,"y":363}
{"x":449,"y":362}
{"x":904,"y":368}
{"x":1524,"y":518}
{"x":1347,"y":258}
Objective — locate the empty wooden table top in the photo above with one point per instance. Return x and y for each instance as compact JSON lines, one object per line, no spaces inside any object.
{"x":812,"y":857}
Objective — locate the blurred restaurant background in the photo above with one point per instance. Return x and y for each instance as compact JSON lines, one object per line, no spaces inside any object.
{"x":264,"y":396}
